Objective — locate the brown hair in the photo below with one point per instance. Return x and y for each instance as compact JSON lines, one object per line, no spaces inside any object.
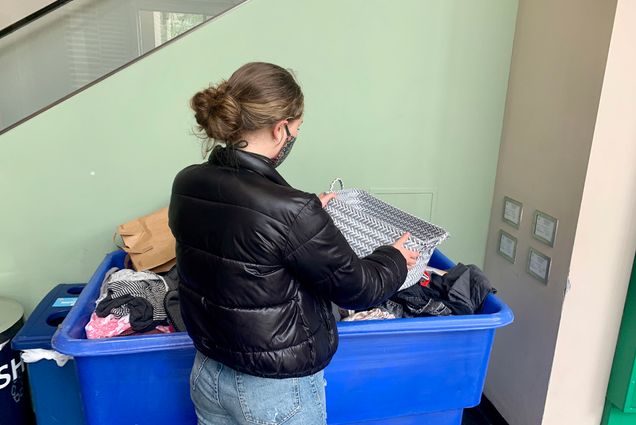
{"x":256,"y":96}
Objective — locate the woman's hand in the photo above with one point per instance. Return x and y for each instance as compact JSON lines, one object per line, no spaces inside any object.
{"x":326,"y":197}
{"x":409,"y":256}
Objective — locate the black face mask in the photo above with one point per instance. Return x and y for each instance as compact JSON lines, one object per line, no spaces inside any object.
{"x":284,"y":151}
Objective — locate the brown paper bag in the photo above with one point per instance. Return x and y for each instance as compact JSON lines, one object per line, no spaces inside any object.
{"x":149,"y":242}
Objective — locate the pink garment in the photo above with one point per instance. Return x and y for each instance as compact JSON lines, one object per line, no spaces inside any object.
{"x":158,"y":330}
{"x":110,"y":326}
{"x":106,"y":327}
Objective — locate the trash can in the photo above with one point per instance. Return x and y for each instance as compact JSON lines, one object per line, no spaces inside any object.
{"x":401,"y":371}
{"x":55,"y":391}
{"x":15,"y":404}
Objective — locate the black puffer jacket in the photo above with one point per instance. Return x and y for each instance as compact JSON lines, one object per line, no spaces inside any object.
{"x":260,"y":261}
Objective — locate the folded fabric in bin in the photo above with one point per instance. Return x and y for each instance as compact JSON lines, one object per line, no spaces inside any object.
{"x":111,"y":326}
{"x":173,"y":309}
{"x":126,"y":306}
{"x":171,"y":302}
{"x":138,"y":294}
{"x":373,"y":314}
{"x":460,"y":291}
{"x":106,"y":327}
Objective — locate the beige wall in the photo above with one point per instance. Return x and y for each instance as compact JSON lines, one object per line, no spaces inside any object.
{"x":556,"y":75}
{"x":14,"y":10}
{"x":604,"y":244}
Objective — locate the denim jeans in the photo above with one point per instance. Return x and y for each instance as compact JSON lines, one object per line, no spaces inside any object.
{"x":224,"y":396}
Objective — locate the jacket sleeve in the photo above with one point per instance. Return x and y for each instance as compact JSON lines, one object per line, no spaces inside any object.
{"x":319,"y":256}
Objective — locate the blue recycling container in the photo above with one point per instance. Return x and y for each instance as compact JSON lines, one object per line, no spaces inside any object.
{"x":55,"y":390}
{"x":390,"y":372}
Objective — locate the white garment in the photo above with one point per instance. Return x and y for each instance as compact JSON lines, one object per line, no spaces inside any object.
{"x":373,"y":314}
{"x":37,"y":354}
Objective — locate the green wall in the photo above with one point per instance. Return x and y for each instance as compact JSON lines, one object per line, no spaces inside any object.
{"x":403,"y":98}
{"x":621,"y":391}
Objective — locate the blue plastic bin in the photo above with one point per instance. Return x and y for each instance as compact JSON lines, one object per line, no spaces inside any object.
{"x":55,"y":390}
{"x":394,"y":372}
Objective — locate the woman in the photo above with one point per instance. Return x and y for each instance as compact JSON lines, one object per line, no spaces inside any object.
{"x":261,"y":262}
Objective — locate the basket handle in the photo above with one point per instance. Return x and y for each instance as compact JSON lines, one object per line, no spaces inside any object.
{"x":339,"y":180}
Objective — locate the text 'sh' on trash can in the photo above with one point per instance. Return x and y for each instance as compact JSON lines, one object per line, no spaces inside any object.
{"x":52,"y":377}
{"x":390,"y":372}
{"x":15,"y":405}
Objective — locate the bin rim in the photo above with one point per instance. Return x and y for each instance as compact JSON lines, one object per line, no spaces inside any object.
{"x":65,"y":343}
{"x":502,"y":317}
{"x":79,"y":347}
{"x":36,"y":333}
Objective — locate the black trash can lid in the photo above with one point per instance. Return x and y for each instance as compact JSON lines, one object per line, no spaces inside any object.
{"x":11,"y":313}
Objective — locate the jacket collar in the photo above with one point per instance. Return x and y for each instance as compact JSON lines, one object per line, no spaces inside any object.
{"x":236,"y":158}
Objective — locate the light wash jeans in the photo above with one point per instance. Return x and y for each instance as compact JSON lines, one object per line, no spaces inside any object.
{"x":224,"y":396}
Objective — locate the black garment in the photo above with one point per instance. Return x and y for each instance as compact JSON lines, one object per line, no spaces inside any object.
{"x":172,"y":305}
{"x":140,"y":311}
{"x":259,"y":262}
{"x":171,"y":302}
{"x":460,"y":291}
{"x":171,"y":277}
{"x":141,"y":315}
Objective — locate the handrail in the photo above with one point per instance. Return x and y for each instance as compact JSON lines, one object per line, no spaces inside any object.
{"x":115,"y":70}
{"x":32,"y":17}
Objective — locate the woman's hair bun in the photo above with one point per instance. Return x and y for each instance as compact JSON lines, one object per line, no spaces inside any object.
{"x":217,"y":113}
{"x":256,"y":96}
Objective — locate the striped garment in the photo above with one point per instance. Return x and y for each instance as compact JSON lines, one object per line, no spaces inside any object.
{"x":146,"y":285}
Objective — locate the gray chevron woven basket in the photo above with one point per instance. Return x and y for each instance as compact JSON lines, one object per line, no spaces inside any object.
{"x":367,"y":223}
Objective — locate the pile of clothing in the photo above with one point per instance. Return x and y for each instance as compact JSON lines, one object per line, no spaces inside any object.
{"x":459,"y":291}
{"x":136,"y":303}
{"x":143,"y":303}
